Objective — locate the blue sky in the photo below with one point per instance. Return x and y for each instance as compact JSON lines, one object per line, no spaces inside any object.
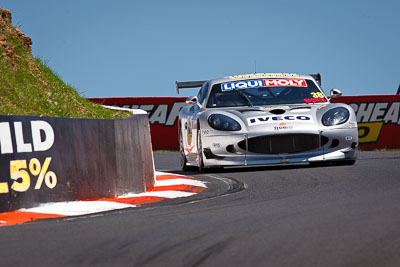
{"x":140,"y":48}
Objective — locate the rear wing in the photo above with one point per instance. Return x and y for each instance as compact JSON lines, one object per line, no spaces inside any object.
{"x":317,"y":78}
{"x":191,"y":84}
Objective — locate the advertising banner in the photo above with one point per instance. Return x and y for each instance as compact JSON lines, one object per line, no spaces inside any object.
{"x":378,"y":118}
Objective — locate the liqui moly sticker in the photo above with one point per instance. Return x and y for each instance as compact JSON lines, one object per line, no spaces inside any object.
{"x":285,"y":82}
{"x":242,"y":85}
{"x":263,"y":83}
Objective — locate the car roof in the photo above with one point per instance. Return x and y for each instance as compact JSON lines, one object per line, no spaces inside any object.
{"x":242,"y":77}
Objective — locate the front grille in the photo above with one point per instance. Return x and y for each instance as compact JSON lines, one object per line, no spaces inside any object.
{"x":281,"y":144}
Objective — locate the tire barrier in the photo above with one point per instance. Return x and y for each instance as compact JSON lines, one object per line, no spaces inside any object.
{"x":378,"y":118}
{"x":52,"y":159}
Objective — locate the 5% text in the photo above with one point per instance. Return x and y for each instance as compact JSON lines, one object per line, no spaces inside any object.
{"x":20,"y":173}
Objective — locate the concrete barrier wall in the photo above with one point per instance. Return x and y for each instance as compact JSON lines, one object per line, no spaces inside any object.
{"x":50,"y":159}
{"x":163,"y":116}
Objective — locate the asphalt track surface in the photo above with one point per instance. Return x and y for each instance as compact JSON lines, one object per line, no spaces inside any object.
{"x":286,"y":216}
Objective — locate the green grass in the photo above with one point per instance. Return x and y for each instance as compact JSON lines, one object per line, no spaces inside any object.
{"x":29,"y":87}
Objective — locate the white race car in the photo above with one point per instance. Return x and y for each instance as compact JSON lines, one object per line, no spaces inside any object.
{"x":263,"y":119}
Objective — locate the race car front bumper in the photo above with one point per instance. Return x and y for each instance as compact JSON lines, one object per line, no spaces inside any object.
{"x":288,"y":148}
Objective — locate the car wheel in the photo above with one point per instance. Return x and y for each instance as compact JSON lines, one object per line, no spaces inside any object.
{"x":200,"y":151}
{"x":183,"y":160}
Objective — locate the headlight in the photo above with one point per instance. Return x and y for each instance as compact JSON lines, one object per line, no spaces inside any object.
{"x":335,"y":116}
{"x":223,"y":123}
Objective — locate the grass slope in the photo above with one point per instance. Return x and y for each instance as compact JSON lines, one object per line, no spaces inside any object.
{"x":29,"y":87}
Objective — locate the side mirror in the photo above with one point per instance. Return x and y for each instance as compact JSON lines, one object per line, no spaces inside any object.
{"x":192,"y":100}
{"x":335,"y":93}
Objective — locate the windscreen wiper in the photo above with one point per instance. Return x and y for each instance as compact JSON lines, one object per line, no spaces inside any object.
{"x":244,"y":96}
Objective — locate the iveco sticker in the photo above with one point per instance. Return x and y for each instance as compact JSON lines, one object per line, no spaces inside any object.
{"x":263,"y":83}
{"x":273,"y":119}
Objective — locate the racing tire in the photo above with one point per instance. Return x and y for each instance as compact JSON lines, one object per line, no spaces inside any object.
{"x":183,"y":160}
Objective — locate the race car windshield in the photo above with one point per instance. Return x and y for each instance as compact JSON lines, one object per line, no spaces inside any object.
{"x":265,"y":92}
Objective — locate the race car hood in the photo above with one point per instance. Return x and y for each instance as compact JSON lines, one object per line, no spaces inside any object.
{"x":275,"y":118}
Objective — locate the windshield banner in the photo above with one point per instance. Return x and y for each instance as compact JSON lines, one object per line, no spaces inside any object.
{"x":263,"y":83}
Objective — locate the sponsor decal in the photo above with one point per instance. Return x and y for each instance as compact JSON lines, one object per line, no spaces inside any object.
{"x":263,"y":83}
{"x":274,"y":119}
{"x":207,"y":132}
{"x":284,"y":127}
{"x":371,"y":117}
{"x":21,"y":170}
{"x":216,"y":145}
{"x":314,"y":100}
{"x":189,"y":138}
{"x":241,"y":85}
{"x":263,"y":75}
{"x":285,"y":82}
{"x":349,"y":138}
{"x":353,"y":124}
{"x":284,"y":159}
{"x":317,"y":95}
{"x":275,"y":107}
